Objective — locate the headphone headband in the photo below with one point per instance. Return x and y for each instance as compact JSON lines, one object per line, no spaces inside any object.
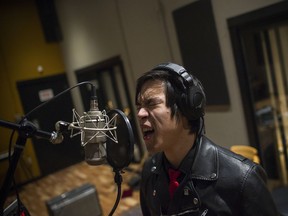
{"x":175,"y":68}
{"x":192,"y":100}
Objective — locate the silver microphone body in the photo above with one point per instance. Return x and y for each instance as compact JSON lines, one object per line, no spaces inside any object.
{"x":94,"y":141}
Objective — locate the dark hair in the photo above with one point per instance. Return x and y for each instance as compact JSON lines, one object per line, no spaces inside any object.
{"x":174,"y":88}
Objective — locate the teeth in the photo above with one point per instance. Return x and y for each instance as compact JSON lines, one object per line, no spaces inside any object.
{"x":146,"y":129}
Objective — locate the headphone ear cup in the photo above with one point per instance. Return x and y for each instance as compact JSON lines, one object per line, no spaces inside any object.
{"x":195,"y":97}
{"x":194,"y":102}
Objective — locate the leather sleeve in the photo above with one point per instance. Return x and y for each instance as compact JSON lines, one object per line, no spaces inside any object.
{"x":144,"y":207}
{"x":256,"y":198}
{"x":143,"y":190}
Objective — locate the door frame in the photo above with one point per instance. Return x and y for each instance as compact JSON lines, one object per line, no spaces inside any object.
{"x":259,"y":19}
{"x":255,"y":19}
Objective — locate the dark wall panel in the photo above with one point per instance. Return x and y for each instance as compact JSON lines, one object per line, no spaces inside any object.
{"x":200,"y":51}
{"x":49,"y":20}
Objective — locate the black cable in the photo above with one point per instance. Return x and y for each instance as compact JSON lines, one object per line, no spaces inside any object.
{"x":118,"y":181}
{"x":17,"y":197}
{"x":13,"y":180}
{"x":201,"y":130}
{"x":10,"y":146}
{"x":58,"y":95}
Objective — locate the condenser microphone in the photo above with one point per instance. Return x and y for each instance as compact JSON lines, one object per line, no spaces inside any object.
{"x":105,"y":137}
{"x":94,"y":141}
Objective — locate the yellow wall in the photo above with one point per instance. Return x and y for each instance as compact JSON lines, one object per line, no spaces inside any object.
{"x":22,"y":49}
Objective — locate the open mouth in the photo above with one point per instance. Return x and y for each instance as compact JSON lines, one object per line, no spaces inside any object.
{"x":147,"y":133}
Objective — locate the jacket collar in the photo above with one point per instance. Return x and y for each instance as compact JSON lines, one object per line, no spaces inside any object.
{"x":205,"y":165}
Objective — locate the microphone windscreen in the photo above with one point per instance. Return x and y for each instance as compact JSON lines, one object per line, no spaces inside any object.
{"x":119,"y":155}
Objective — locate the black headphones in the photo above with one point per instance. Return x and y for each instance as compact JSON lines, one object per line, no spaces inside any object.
{"x":192,"y":101}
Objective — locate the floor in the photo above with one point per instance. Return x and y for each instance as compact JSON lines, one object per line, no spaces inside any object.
{"x":35,"y":195}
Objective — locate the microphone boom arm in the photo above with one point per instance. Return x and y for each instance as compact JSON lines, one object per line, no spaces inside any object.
{"x":25,"y":130}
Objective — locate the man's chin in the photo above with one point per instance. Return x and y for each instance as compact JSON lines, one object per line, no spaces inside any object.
{"x":152,"y":150}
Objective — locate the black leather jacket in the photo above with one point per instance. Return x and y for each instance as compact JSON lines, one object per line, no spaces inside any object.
{"x":218,"y":183}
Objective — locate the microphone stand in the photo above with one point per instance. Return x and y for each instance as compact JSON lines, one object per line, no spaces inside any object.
{"x":25,"y":130}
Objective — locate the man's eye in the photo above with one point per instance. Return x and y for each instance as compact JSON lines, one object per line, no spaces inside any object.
{"x":149,"y":104}
{"x":152,"y":104}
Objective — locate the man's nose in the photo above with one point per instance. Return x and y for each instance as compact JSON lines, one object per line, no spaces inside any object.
{"x":142,"y":113}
